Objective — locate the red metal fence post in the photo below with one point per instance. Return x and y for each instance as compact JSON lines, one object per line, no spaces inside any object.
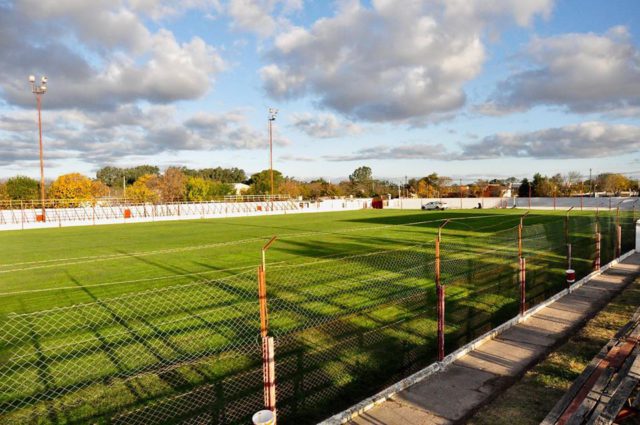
{"x":523,"y":286}
{"x":522,"y":268}
{"x":597,"y":260}
{"x":440,"y":292}
{"x":440,"y":306}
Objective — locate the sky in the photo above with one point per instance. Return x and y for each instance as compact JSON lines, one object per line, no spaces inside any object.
{"x":463,"y":88}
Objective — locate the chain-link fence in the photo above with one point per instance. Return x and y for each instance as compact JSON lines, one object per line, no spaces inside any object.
{"x":343,"y":328}
{"x":144,"y":358}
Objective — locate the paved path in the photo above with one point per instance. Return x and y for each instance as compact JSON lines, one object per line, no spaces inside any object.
{"x":473,"y":380}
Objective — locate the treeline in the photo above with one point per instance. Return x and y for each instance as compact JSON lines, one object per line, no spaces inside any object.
{"x":572,"y":184}
{"x":145,"y":183}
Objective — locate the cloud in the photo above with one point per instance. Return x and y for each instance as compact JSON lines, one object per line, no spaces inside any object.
{"x":324,"y":126}
{"x":129,"y":131}
{"x":390,"y":63}
{"x":297,"y":158}
{"x":583,"y":73}
{"x":584,"y":140}
{"x":415,"y":151}
{"x":98,"y":55}
{"x":261,"y":16}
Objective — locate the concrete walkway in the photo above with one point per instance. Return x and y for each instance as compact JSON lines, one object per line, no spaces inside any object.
{"x":453,"y":395}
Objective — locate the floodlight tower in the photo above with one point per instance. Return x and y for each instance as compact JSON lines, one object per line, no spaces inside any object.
{"x":272,"y":117}
{"x":39,"y":90}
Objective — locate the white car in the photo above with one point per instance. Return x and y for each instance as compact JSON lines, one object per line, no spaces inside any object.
{"x":435,"y":205}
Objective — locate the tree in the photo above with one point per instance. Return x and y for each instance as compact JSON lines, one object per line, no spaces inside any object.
{"x":145,"y":189}
{"x":200,"y":189}
{"x":172,"y":185}
{"x":23,"y":188}
{"x":134,"y":173}
{"x":4,"y":195}
{"x":613,"y":183}
{"x":523,"y":190}
{"x":572,"y":179}
{"x":72,"y":186}
{"x":99,"y":189}
{"x":197,"y":189}
{"x":478,"y":188}
{"x":110,"y":176}
{"x":442,"y":184}
{"x":361,"y":175}
{"x":219,"y":189}
{"x":536,"y":183}
{"x":261,"y":182}
{"x":224,"y":175}
{"x":291,"y":187}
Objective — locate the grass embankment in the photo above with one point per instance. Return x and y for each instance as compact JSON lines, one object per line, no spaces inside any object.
{"x":531,"y":399}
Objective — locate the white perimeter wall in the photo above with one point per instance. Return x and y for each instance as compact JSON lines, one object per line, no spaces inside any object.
{"x":25,"y":219}
{"x":536,"y":203}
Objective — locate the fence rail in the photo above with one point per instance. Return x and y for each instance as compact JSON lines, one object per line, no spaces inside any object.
{"x":304,"y":340}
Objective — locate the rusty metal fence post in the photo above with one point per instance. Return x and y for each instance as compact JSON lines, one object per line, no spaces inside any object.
{"x":522,"y":268}
{"x":570,"y":273}
{"x":440,"y":292}
{"x":268,"y":350}
{"x":596,"y":264}
{"x":618,"y":232}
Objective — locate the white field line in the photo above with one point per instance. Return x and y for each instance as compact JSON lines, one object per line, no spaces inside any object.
{"x":123,"y":282}
{"x":34,"y":265}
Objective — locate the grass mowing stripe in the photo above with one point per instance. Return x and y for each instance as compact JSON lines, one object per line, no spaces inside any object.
{"x":360,"y":317}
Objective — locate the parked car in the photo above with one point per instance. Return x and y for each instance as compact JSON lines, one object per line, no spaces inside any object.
{"x":435,"y":205}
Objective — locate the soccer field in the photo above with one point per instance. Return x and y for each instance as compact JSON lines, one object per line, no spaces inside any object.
{"x":159,"y":322}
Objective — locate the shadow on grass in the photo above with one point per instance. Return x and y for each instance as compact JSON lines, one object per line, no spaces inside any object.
{"x":344,"y":328}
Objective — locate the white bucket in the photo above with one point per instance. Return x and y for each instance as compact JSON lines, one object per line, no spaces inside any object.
{"x":264,"y":417}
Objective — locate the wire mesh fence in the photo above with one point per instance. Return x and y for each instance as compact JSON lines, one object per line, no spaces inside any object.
{"x":94,"y":361}
{"x":343,"y":328}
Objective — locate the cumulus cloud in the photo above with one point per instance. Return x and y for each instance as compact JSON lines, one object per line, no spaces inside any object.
{"x":260,"y":16}
{"x":580,"y":72}
{"x":324,"y":126}
{"x":390,"y":63}
{"x":128,"y":131}
{"x":98,"y":55}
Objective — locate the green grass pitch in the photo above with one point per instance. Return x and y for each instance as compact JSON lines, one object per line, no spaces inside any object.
{"x":166,"y":316}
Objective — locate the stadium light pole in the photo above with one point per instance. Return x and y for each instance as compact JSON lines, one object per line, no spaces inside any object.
{"x":272,"y":117}
{"x":39,"y":90}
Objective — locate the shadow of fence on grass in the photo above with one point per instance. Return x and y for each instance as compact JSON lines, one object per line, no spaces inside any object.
{"x":344,"y":329}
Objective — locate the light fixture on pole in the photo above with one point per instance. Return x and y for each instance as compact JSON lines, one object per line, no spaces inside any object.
{"x":272,"y":117}
{"x":39,"y":90}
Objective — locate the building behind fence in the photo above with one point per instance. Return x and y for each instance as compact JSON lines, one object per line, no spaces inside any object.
{"x":307,"y":340}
